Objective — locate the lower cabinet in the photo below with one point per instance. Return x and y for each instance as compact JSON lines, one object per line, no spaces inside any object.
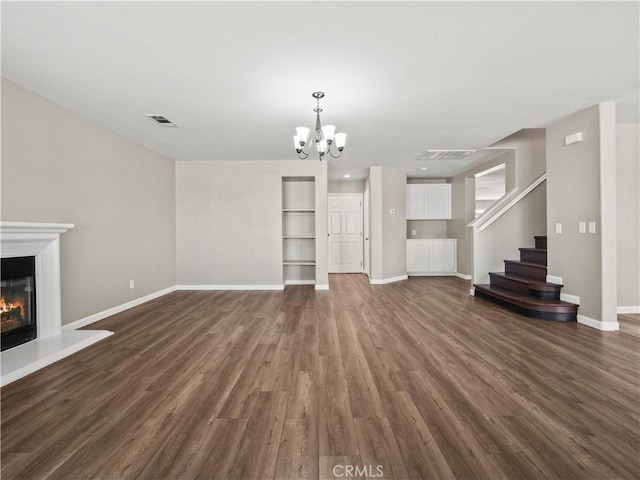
{"x":433,"y":256}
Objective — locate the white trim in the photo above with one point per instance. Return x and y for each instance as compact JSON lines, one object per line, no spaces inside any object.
{"x":83,"y":322}
{"x":433,"y":274}
{"x":565,"y":297}
{"x":229,"y":287}
{"x":20,"y":361}
{"x":556,"y":280}
{"x":322,"y":287}
{"x":629,"y":309}
{"x":604,"y":326}
{"x":472,"y":291}
{"x":463,"y":276}
{"x":388,"y":280}
{"x":300,"y":282}
{"x":491,"y":215}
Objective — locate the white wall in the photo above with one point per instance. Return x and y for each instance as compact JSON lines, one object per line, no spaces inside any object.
{"x":229,"y":221}
{"x":581,"y":187}
{"x":346,"y":186}
{"x":388,"y":230}
{"x":628,"y":216}
{"x":60,"y":167}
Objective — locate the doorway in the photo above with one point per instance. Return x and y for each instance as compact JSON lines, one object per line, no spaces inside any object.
{"x":345,"y":233}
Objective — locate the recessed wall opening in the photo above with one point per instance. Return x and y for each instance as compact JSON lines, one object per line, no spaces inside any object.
{"x":490,"y":187}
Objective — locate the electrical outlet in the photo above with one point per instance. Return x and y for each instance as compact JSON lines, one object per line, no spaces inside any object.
{"x":131,"y":284}
{"x":592,"y":227}
{"x":413,"y":232}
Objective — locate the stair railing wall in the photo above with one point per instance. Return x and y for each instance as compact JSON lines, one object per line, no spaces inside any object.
{"x":508,"y":225}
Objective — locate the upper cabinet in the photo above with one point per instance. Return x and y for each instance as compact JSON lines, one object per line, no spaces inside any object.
{"x":429,"y":201}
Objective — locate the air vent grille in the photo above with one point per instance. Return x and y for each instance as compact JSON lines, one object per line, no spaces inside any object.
{"x":444,"y":154}
{"x":161,"y":120}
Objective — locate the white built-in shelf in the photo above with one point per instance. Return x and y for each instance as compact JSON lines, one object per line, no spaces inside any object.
{"x":299,"y":262}
{"x":300,"y":210}
{"x":299,"y":236}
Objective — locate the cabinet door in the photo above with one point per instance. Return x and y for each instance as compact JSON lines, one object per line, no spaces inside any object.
{"x":442,"y":256}
{"x":417,"y":257}
{"x":438,"y":201}
{"x":415,"y":201}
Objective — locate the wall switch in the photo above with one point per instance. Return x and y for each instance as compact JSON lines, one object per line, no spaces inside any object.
{"x":592,"y":227}
{"x":131,"y":284}
{"x":582,"y":227}
{"x":558,"y":228}
{"x":413,"y":232}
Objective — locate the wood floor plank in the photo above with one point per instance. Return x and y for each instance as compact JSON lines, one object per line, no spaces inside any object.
{"x":416,"y":377}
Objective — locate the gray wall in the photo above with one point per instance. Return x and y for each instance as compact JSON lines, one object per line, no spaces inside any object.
{"x":229,"y":221}
{"x":579,"y":188}
{"x":388,"y":230}
{"x":59,"y":167}
{"x":346,"y":186}
{"x":628,"y":218}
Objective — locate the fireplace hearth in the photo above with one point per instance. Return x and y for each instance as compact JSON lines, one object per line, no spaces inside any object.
{"x":17,"y":301}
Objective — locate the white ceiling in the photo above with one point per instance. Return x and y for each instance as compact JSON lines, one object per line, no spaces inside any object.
{"x":399,"y":78}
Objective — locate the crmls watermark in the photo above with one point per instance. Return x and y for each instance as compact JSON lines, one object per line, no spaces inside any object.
{"x":348,"y":471}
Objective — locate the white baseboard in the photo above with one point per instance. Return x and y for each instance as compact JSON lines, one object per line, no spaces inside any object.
{"x":300,"y":282}
{"x":229,"y":287}
{"x":462,"y":276}
{"x":553,"y":279}
{"x":604,"y":326}
{"x":432,"y":274}
{"x":565,"y":297}
{"x":633,"y":309}
{"x":388,"y":280}
{"x":322,"y":287}
{"x":83,"y":322}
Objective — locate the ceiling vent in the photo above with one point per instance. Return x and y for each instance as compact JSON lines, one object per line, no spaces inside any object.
{"x":161,"y":120}
{"x":444,"y":154}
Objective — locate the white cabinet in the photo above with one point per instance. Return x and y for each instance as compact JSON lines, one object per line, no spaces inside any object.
{"x":429,"y":201}
{"x":433,"y":256}
{"x":415,"y":201}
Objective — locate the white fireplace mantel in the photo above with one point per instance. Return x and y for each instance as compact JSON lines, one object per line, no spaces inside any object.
{"x":41,"y":240}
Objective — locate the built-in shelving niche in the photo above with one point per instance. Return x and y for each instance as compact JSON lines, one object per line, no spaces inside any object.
{"x":298,"y":231}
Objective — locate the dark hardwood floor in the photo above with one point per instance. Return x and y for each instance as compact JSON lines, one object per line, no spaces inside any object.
{"x":410,"y":380}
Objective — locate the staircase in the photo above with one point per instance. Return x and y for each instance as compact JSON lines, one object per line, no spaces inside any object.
{"x":523,"y":287}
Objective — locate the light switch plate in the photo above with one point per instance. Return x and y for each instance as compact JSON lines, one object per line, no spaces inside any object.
{"x":592,"y":227}
{"x":558,"y":228}
{"x":582,"y":227}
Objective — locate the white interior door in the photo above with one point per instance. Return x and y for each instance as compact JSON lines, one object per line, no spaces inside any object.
{"x":345,"y":233}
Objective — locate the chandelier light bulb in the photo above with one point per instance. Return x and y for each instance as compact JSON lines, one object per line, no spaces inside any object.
{"x":329,"y":131}
{"x":296,"y":143}
{"x":341,"y":140}
{"x":302,"y":134}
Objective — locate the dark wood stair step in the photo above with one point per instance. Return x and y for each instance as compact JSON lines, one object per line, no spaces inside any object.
{"x":526,"y":286}
{"x":535,"y":271}
{"x":546,"y":309}
{"x":533,"y":255}
{"x":541,"y":241}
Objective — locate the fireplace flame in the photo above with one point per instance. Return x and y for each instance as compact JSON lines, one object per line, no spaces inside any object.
{"x":8,"y":306}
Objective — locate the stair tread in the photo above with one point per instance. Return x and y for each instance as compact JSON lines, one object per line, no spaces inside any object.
{"x":527,"y":300}
{"x":533,"y":249}
{"x":527,"y":264}
{"x":520,"y":278}
{"x":539,"y":236}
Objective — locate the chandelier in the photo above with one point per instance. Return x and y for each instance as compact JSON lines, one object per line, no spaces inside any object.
{"x":324,"y":137}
